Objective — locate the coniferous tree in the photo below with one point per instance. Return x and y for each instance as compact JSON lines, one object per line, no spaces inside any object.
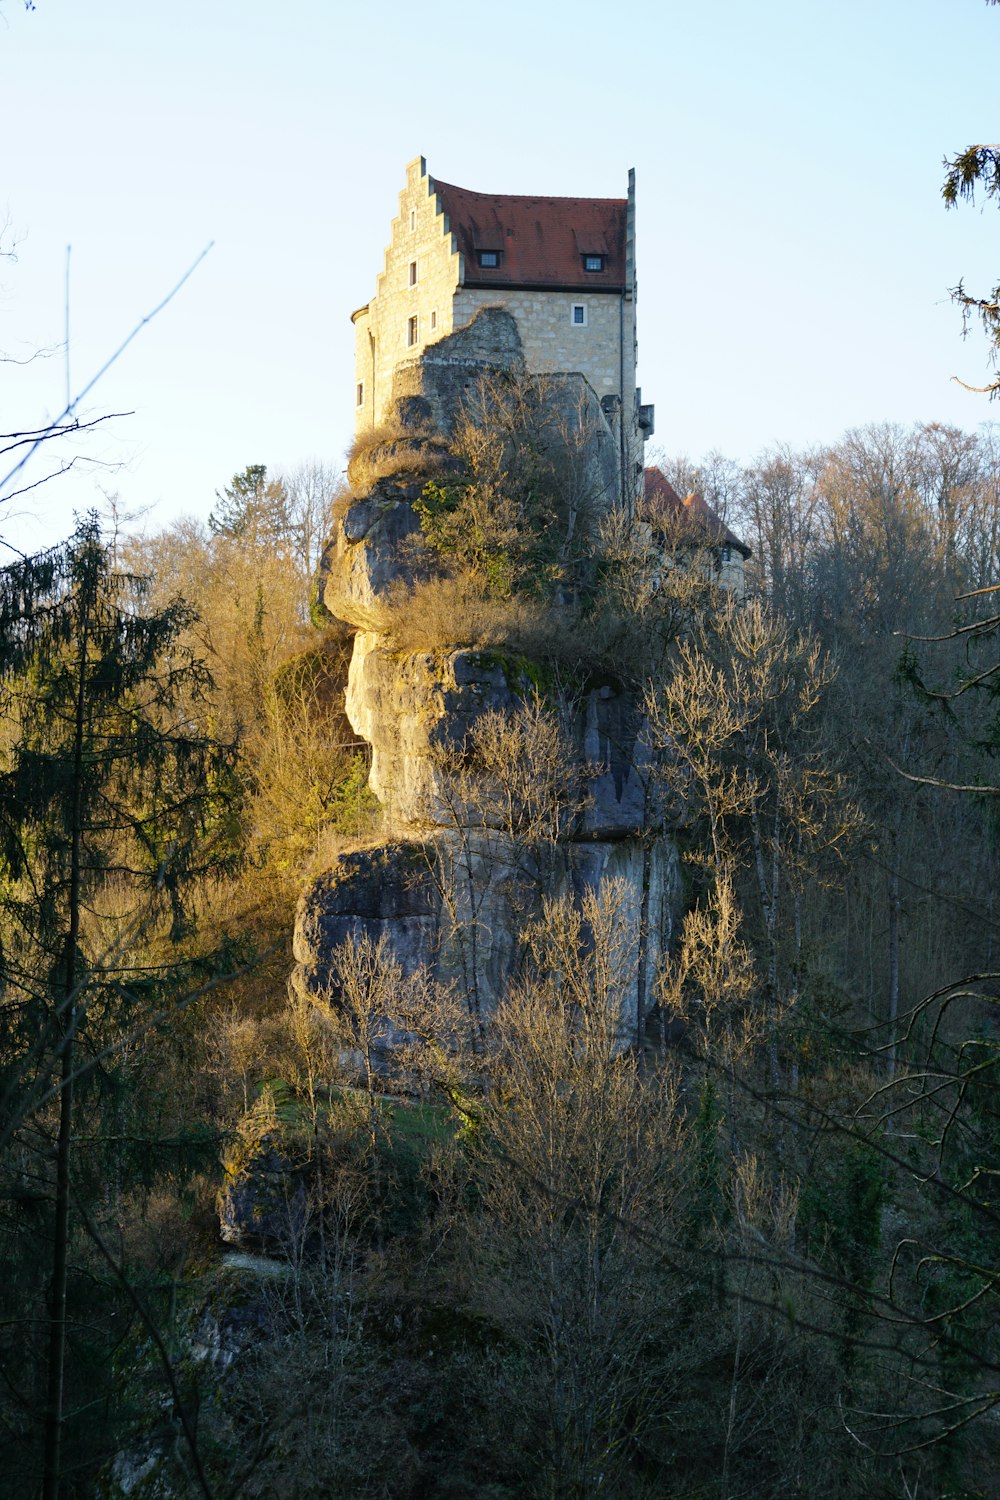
{"x":107,"y":784}
{"x":253,"y":509}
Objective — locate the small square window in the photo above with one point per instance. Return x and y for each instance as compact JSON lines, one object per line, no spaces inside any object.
{"x":413,"y":273}
{"x":489,"y":258}
{"x":593,"y":262}
{"x":361,"y":394}
{"x":434,"y":320}
{"x":579,"y":314}
{"x":411,"y":332}
{"x":413,"y":219}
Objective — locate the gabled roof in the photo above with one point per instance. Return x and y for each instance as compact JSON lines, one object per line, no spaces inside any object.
{"x":542,"y":241}
{"x":691,"y":517}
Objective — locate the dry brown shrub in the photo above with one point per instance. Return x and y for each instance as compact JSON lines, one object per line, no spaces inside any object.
{"x":456,"y":611}
{"x":392,"y":451}
{"x":459,"y":611}
{"x":375,"y":437}
{"x":331,"y":843}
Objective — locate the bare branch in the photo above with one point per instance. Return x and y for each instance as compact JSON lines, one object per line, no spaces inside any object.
{"x":946,"y":786}
{"x":991,"y":588}
{"x":68,"y":411}
{"x":41,"y":434}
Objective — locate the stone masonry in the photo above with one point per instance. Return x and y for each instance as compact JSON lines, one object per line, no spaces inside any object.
{"x":428,"y":289}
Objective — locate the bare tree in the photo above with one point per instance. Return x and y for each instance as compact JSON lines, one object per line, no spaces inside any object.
{"x":311,"y":489}
{"x":509,"y":800}
{"x":574,"y":1147}
{"x":735,"y":725}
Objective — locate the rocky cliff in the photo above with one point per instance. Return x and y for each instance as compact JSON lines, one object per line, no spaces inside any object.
{"x":499,"y":785}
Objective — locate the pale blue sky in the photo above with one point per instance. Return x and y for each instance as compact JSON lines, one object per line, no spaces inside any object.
{"x":793,"y":252}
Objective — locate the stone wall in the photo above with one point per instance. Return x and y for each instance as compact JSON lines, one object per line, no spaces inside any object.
{"x":553,"y":343}
{"x":602,"y":350}
{"x":732,"y":571}
{"x":369,"y":550}
{"x":723,"y":566}
{"x":420,"y":236}
{"x":445,"y":372}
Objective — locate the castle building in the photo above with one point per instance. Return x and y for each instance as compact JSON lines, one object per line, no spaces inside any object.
{"x":563,"y":267}
{"x":689,"y":526}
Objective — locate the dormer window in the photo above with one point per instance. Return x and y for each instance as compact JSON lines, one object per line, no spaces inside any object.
{"x":489,"y":259}
{"x":593,"y":262}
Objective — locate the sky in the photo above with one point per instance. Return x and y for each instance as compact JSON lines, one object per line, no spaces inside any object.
{"x":793,"y":252}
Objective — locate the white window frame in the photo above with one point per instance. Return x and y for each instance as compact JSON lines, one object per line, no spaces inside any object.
{"x":574,"y":308}
{"x":412,"y":331}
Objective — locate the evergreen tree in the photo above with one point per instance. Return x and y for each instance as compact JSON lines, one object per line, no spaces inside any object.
{"x":107,"y":785}
{"x":253,"y":509}
{"x":977,"y":166}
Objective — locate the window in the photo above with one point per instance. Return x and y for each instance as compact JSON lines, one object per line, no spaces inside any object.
{"x":578,"y":314}
{"x":413,"y":219}
{"x":434,"y":320}
{"x":413,"y":273}
{"x":411,"y":332}
{"x":489,"y":258}
{"x":593,"y":262}
{"x":361,"y":393}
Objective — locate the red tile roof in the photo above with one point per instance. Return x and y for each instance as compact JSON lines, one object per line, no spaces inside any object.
{"x":542,"y":241}
{"x":664,"y":510}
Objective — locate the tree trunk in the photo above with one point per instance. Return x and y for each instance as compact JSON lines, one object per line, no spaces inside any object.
{"x":60,"y":1250}
{"x":640,"y":981}
{"x":893,"y":1005}
{"x":69,"y":1007}
{"x":895,"y":911}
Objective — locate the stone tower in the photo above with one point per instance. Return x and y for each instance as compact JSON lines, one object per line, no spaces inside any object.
{"x":563,"y":267}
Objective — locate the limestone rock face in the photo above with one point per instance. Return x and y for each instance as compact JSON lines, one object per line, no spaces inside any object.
{"x":378,"y":891}
{"x":372,"y":545}
{"x":264,"y":1206}
{"x":401,"y":891}
{"x":416,"y":710}
{"x":370,"y":552}
{"x":420,"y":897}
{"x":452,"y":890}
{"x":375,"y":540}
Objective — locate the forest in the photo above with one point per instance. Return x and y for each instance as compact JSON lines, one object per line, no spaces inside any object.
{"x":744,"y":1244}
{"x":680,"y":1181}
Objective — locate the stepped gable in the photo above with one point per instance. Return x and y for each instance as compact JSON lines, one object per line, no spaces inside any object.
{"x":541,"y":242}
{"x":664,"y":510}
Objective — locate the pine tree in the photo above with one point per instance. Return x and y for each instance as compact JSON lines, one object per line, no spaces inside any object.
{"x":254,"y":510}
{"x":106,"y":781}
